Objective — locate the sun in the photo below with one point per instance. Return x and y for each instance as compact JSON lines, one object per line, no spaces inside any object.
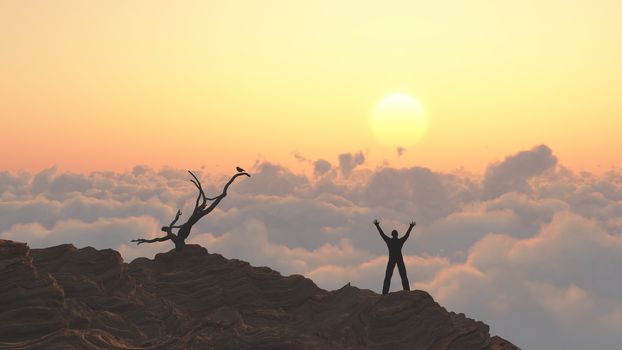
{"x":399,"y":120}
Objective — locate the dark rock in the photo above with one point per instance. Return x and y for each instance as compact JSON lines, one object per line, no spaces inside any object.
{"x":63,"y":297}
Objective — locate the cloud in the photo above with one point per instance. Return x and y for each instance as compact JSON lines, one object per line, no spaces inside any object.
{"x":514,"y":172}
{"x":321,"y":167}
{"x":299,"y":157}
{"x":101,"y":234}
{"x":349,"y":161}
{"x":559,"y":285}
{"x":530,"y":247}
{"x":418,"y":191}
{"x":13,"y":186}
{"x":272,"y":179}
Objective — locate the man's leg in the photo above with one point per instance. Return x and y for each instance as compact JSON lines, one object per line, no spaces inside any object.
{"x":388,"y":275}
{"x":402,"y":269}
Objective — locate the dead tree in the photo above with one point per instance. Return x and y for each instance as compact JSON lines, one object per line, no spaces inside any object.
{"x":201,"y":208}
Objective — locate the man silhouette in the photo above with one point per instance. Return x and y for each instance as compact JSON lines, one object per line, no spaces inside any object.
{"x":395,"y":256}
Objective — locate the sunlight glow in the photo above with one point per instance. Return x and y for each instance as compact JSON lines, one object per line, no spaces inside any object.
{"x":399,"y":119}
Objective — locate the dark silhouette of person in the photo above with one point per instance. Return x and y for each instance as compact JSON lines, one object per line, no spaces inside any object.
{"x":395,"y":256}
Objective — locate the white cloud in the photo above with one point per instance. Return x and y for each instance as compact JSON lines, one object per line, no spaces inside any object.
{"x":563,"y":280}
{"x":530,"y":248}
{"x":514,"y":172}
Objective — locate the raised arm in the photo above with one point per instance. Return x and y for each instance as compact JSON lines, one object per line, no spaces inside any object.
{"x":384,"y":237}
{"x":410,"y":228}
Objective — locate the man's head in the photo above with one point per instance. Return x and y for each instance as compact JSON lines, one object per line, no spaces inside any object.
{"x":394,"y":233}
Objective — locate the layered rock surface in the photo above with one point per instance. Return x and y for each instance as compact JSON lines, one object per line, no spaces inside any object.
{"x":67,"y":298}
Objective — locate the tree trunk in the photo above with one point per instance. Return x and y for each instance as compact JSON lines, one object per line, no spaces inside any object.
{"x":200,"y":210}
{"x":179,"y":244}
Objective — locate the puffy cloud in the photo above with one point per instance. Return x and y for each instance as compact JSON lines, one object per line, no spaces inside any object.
{"x":417,"y":191}
{"x":349,"y":161}
{"x":79,"y":207}
{"x":321,"y":167}
{"x":559,"y":286}
{"x":58,"y":186}
{"x":272,"y":179}
{"x":12,"y":186}
{"x":101,"y":234}
{"x":514,"y":172}
{"x":529,"y":247}
{"x":453,"y":235}
{"x":251,"y":241}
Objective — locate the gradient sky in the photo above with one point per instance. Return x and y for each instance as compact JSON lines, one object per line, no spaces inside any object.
{"x":514,"y":91}
{"x":106,"y":85}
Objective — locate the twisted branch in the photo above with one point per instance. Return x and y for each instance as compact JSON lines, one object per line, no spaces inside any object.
{"x":199,"y":211}
{"x":220,"y":197}
{"x":169,"y":233}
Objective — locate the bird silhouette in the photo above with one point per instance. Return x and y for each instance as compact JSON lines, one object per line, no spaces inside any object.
{"x":240,"y":170}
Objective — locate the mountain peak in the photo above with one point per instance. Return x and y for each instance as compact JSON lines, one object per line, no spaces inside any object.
{"x":194,"y":299}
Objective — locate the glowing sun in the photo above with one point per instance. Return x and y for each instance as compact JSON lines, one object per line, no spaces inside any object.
{"x":399,"y":119}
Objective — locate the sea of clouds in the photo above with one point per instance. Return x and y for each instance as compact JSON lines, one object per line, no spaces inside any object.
{"x":529,"y":247}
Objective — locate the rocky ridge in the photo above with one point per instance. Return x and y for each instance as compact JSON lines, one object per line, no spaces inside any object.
{"x":68,"y":298}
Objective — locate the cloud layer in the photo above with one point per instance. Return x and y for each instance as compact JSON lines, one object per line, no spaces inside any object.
{"x":529,"y":247}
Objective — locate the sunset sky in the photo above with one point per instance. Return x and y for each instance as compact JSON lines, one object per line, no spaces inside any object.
{"x":494,"y":124}
{"x":107,"y":85}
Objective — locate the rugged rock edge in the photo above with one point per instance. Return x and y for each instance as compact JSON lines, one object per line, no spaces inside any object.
{"x":67,"y":298}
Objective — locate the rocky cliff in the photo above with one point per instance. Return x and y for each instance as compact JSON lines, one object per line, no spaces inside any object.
{"x":68,"y":298}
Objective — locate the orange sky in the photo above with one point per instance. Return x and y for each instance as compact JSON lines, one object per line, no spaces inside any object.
{"x":107,"y":85}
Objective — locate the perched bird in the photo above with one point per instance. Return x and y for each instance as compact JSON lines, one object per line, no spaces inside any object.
{"x":240,"y":170}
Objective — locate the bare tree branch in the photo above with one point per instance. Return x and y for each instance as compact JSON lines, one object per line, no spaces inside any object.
{"x":176,"y":218}
{"x":222,"y":195}
{"x":142,"y":240}
{"x":198,"y":212}
{"x":197,"y":183}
